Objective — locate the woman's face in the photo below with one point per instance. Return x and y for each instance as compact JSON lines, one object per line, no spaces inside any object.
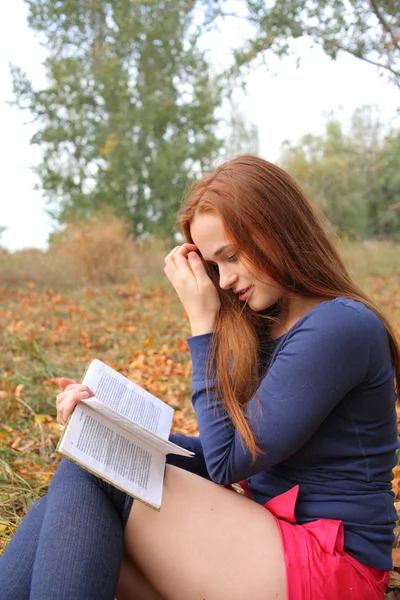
{"x":235,"y":272}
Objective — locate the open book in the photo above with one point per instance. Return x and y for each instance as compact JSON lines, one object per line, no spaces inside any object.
{"x":121,"y":434}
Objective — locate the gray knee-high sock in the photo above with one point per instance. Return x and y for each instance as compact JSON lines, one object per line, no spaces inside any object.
{"x":80,"y":544}
{"x":16,"y":564}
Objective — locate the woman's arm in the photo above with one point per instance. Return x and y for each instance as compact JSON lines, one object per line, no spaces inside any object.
{"x":323,"y":357}
{"x":195,"y":464}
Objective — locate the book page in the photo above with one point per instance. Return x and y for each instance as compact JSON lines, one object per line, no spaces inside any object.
{"x":157,"y":442}
{"x":110,"y":452}
{"x":128,"y":399}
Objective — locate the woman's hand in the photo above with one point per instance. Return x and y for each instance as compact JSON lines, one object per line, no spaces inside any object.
{"x":70,"y":396}
{"x":196,"y":291}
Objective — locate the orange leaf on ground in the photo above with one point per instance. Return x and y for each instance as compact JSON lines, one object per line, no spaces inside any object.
{"x":396,"y":488}
{"x":394,"y":579}
{"x":16,"y":443}
{"x":396,"y":557}
{"x":396,"y":531}
{"x":18,"y":390}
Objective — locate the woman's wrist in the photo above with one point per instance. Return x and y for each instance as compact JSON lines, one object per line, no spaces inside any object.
{"x":202,"y":326}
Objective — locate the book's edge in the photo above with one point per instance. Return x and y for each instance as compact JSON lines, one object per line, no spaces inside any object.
{"x":101,"y":476}
{"x":62,"y":436}
{"x":87,"y":368}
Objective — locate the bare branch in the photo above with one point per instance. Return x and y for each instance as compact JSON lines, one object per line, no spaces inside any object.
{"x":374,"y":63}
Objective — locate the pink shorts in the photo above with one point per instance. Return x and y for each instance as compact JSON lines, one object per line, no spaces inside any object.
{"x":317,"y":566}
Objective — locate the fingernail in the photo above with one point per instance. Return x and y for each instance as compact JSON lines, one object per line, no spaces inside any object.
{"x":193,"y":256}
{"x":84,"y":394}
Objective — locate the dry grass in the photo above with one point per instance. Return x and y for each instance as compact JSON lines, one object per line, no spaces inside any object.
{"x":97,"y":252}
{"x":371,"y":258}
{"x":102,"y":251}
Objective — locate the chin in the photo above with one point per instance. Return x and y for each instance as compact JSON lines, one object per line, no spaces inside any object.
{"x":255,"y":308}
{"x":260,"y":307}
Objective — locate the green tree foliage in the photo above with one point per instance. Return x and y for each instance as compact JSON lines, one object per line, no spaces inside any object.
{"x":128,"y":114}
{"x":353,"y":176}
{"x":240,"y":134}
{"x":366,"y":29}
{"x":384,"y":193}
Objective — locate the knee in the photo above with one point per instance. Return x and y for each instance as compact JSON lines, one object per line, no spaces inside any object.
{"x":69,"y":474}
{"x":68,"y":471}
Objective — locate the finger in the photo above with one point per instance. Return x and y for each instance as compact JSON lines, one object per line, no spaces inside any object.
{"x":198,"y":269}
{"x":60,"y":409}
{"x":170,"y":254}
{"x":78,"y":387}
{"x":66,"y":408}
{"x":60,"y":398}
{"x":183,"y":266}
{"x":74,"y":387}
{"x":78,"y":390}
{"x":183,"y":249}
{"x":64,"y":381}
{"x":67,"y":401}
{"x":62,"y":414}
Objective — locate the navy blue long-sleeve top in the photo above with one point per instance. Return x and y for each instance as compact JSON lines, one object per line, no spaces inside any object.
{"x":325,"y":420}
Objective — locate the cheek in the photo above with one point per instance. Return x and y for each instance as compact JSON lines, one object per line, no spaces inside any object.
{"x":259,"y":277}
{"x":246,"y":270}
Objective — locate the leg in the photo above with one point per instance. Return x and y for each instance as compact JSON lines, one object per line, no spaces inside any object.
{"x":206,"y":543}
{"x":80,"y":544}
{"x":133,"y":585}
{"x":16,"y":563}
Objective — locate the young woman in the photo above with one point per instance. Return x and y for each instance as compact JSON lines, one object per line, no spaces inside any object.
{"x":293,"y":387}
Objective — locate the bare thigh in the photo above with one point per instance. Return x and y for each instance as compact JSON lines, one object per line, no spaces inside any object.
{"x":206,"y":543}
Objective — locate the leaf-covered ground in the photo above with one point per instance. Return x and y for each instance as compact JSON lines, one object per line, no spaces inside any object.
{"x":47,"y":333}
{"x":141,"y":332}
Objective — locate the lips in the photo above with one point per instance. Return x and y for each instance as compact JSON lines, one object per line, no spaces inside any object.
{"x":245,"y":293}
{"x":242,"y":291}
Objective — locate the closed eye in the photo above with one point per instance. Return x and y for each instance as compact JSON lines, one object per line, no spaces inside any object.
{"x":231,"y":259}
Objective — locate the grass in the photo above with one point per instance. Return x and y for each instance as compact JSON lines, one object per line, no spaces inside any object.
{"x":140,"y":330}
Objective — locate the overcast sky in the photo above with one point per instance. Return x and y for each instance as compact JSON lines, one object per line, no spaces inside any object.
{"x":284,"y":104}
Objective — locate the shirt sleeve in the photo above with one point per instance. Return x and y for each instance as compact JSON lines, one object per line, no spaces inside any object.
{"x":195,"y":464}
{"x":323,"y":357}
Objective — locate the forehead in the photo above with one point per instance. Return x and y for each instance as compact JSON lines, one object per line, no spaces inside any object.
{"x":208,"y":232}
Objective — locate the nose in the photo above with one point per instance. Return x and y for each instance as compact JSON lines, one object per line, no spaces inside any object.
{"x":226,"y":280}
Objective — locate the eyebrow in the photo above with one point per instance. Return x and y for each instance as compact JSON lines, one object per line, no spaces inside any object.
{"x":218,"y":251}
{"x":221,"y":249}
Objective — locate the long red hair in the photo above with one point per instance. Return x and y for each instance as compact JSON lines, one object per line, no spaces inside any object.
{"x":268,"y":217}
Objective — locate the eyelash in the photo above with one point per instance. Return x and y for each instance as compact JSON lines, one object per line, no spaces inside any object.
{"x":231,"y":259}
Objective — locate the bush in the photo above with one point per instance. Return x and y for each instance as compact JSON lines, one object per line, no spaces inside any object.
{"x":95,"y":252}
{"x":100,"y":251}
